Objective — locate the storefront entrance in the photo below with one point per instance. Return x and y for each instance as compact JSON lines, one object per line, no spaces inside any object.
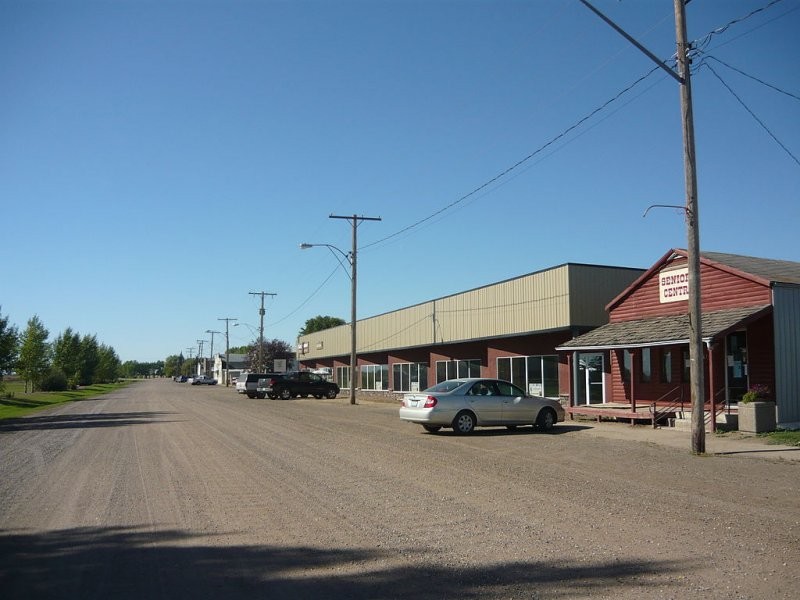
{"x":736,"y":377}
{"x":589,"y":378}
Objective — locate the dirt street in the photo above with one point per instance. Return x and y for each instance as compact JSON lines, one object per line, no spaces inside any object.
{"x":164,"y":490}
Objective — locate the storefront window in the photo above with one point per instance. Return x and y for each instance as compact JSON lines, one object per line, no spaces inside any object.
{"x":626,"y":366}
{"x":409,"y":377}
{"x":666,"y":366}
{"x":343,"y":377}
{"x":454,"y":369}
{"x":647,"y":369}
{"x":537,"y":375}
{"x":375,"y":377}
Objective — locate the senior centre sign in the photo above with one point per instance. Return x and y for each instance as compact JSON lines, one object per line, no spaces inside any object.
{"x":673,"y":285}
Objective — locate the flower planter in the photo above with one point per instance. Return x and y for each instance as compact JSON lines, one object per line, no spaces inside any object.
{"x":757,"y":417}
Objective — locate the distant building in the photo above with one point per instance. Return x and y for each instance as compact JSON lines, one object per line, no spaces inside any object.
{"x":238,"y":363}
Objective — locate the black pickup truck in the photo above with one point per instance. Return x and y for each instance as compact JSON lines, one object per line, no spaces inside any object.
{"x":297,"y":383}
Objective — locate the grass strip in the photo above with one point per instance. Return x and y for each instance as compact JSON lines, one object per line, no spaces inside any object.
{"x":14,"y":402}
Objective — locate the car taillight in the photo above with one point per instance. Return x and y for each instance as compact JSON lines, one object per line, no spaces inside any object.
{"x":430,"y":401}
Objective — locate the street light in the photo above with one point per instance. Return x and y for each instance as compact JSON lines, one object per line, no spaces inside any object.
{"x":350,"y":257}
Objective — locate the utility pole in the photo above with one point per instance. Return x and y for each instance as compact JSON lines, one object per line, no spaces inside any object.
{"x":261,"y":311}
{"x":683,"y":76}
{"x":211,"y":352}
{"x":191,"y":352}
{"x":696,"y":358}
{"x":355,"y":220}
{"x":200,"y":356}
{"x":227,"y":348}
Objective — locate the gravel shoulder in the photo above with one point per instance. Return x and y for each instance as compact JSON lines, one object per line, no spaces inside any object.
{"x":163,"y":490}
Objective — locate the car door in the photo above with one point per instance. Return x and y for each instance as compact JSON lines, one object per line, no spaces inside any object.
{"x":517,"y":408}
{"x":485,"y":401}
{"x":305,"y":384}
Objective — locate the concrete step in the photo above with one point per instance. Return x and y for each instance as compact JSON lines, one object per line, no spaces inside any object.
{"x":683,"y":421}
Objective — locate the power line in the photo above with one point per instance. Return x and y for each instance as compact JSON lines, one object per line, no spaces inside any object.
{"x":308,"y":299}
{"x":756,"y":79}
{"x":752,"y":114}
{"x":519,"y":162}
{"x":706,"y":39}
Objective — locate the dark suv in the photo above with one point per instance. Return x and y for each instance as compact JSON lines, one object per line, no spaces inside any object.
{"x":248,"y":384}
{"x":297,"y":383}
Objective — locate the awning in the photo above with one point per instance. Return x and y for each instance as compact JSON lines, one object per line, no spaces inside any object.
{"x":663,"y":331}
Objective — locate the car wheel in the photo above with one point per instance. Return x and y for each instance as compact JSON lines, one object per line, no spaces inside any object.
{"x":272,"y":396}
{"x":431,"y":428}
{"x":546,"y":420}
{"x":285,"y":394}
{"x":251,"y":395}
{"x":318,"y":396}
{"x":464,"y":423}
{"x":332,"y":394}
{"x":261,"y":396}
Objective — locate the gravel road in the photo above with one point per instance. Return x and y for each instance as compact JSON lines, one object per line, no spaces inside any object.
{"x":163,"y":490}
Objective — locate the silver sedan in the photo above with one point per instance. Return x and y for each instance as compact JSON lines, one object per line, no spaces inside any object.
{"x":464,"y":404}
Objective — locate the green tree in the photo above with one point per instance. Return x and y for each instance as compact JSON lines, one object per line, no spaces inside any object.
{"x":108,"y":365}
{"x":89,"y":359}
{"x":9,"y":346}
{"x":188,"y":367}
{"x":272,"y":349}
{"x":320,"y":323}
{"x":67,"y":356}
{"x":172,"y":365}
{"x":34,"y":353}
{"x":239,"y":350}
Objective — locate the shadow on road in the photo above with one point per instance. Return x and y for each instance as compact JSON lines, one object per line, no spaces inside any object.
{"x":127,"y":564}
{"x":80,"y":421}
{"x":521,"y":430}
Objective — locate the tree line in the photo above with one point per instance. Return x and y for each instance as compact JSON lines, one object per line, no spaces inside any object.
{"x":68,"y":361}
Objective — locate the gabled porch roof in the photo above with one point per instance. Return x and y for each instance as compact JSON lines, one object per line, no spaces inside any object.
{"x":663,"y":331}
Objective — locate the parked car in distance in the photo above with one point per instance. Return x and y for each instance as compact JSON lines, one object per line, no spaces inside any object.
{"x":202,"y":380}
{"x":180,"y":378}
{"x":247,"y":383}
{"x":464,"y":404}
{"x":297,"y":383}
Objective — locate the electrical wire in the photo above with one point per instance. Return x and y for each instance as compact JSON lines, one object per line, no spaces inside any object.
{"x":706,"y":39}
{"x":697,"y":48}
{"x":752,"y":114}
{"x":769,"y":85}
{"x":307,"y":300}
{"x":519,"y":163}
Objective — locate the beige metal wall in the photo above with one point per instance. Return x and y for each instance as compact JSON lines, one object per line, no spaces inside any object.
{"x":556,"y":298}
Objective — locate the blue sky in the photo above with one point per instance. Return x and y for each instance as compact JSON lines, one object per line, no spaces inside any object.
{"x":159,"y":160}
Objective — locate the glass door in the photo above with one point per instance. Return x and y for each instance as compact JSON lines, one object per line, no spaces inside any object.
{"x":736,"y":365}
{"x":589,"y":378}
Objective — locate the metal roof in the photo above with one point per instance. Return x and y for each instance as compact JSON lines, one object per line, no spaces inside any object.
{"x":661,"y":331}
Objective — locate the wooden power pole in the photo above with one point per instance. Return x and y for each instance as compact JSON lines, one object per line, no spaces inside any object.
{"x":683,"y":76}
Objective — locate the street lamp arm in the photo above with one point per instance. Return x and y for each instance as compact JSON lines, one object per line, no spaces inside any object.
{"x":348,"y":256}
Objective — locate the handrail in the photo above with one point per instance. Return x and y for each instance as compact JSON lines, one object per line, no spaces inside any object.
{"x":658,"y":414}
{"x":719,"y":408}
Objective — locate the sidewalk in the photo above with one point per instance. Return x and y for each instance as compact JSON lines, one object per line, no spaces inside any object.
{"x":728,"y":444}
